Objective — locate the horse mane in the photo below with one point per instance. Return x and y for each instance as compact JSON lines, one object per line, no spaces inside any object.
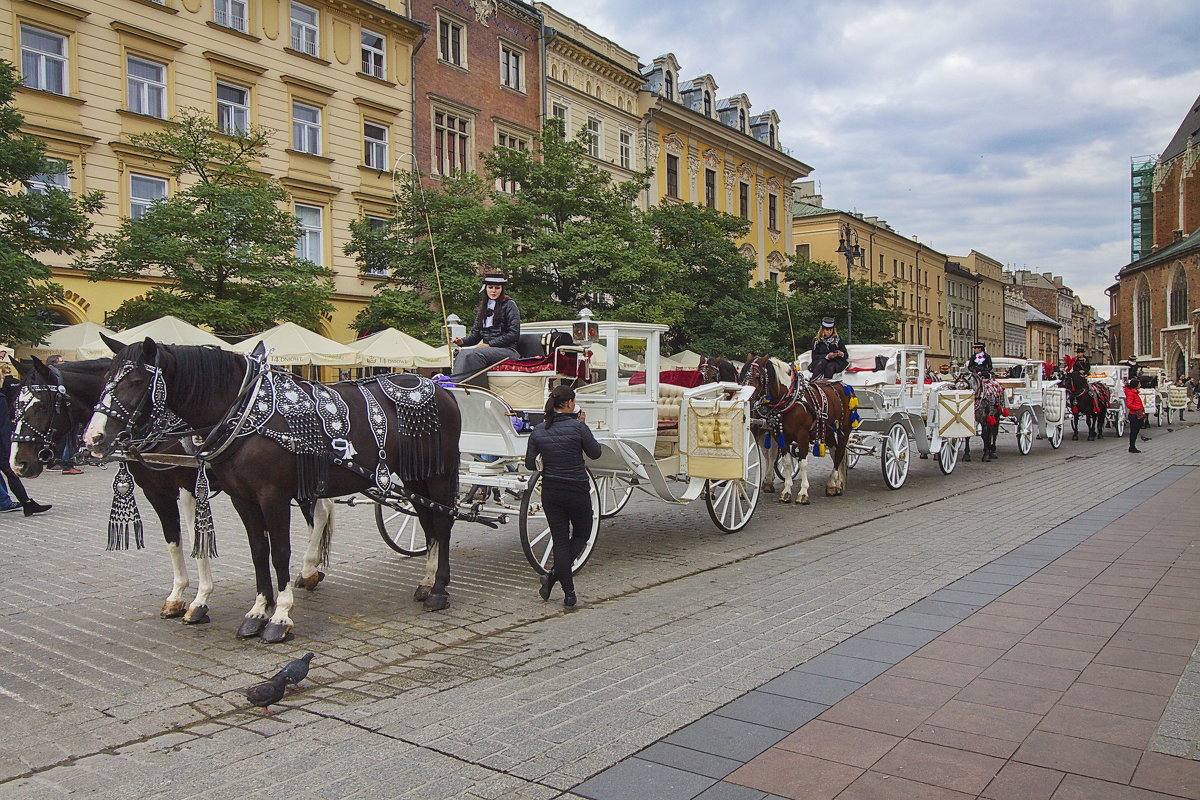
{"x":783,"y":372}
{"x":208,"y":370}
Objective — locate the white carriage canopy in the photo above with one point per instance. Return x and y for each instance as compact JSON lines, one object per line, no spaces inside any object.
{"x":296,"y":346}
{"x":395,"y":349}
{"x":165,"y":330}
{"x":67,"y":342}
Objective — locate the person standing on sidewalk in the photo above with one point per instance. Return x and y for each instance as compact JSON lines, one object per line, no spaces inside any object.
{"x":24,"y":503}
{"x":1137,"y":412}
{"x":560,"y":443}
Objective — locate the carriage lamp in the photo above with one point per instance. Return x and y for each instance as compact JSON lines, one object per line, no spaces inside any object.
{"x":584,"y":331}
{"x":454,"y":327}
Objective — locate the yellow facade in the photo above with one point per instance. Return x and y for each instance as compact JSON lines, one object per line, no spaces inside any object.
{"x":248,"y":46}
{"x":914,"y":272}
{"x":989,"y":314}
{"x":700,"y":157}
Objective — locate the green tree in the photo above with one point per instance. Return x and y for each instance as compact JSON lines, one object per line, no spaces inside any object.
{"x":817,"y":289}
{"x":466,"y":220}
{"x":224,"y":244}
{"x":32,"y":222}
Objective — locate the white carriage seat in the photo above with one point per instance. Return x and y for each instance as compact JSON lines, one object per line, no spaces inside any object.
{"x":862,"y":371}
{"x":670,"y":401}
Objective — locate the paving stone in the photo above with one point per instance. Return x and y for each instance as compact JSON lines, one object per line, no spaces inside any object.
{"x":643,"y":779}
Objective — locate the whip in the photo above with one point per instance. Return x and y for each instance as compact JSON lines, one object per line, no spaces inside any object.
{"x":437,"y":272}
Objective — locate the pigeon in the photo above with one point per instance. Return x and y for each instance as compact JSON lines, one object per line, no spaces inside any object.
{"x":295,"y":671}
{"x":264,"y":694}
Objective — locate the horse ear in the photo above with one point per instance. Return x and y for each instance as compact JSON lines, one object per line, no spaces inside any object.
{"x":149,"y":351}
{"x":116,"y":345}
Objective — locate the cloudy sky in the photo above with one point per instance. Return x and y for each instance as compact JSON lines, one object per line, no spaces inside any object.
{"x":1006,"y":126}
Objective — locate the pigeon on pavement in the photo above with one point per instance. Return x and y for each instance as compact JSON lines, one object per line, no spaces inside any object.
{"x":295,"y":671}
{"x":264,"y":694}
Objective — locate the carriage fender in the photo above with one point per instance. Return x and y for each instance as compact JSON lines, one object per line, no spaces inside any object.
{"x":914,"y":426}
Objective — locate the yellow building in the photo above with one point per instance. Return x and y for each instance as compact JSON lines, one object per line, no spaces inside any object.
{"x":989,"y":311}
{"x":712,"y":152}
{"x":592,"y":83}
{"x":331,"y":77}
{"x":915,"y":272}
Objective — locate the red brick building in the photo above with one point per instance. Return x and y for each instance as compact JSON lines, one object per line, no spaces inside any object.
{"x":1155,"y":304}
{"x":477,"y":81}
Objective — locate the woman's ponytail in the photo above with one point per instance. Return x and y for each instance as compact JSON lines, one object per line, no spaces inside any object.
{"x":559,"y":397}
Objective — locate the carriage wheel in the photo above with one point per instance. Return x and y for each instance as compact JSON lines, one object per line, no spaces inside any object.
{"x":401,"y":529}
{"x":948,"y":455}
{"x":1056,"y":436}
{"x":614,"y":494}
{"x":535,"y":531}
{"x":1170,"y":416}
{"x":894,"y":456}
{"x":1158,"y":415}
{"x":732,"y":503}
{"x":851,"y":459}
{"x":1025,"y":432}
{"x":1120,"y":423}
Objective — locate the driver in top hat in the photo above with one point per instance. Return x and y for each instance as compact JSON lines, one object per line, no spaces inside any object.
{"x":493,"y":337}
{"x":1082,"y":364}
{"x":980,"y":362}
{"x":828,"y":351}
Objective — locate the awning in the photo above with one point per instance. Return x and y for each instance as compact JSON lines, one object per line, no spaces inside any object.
{"x":686,"y":359}
{"x":164,"y":330}
{"x":67,"y":342}
{"x":396,"y":349}
{"x":297,"y":346}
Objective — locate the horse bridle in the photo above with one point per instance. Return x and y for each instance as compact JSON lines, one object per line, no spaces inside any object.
{"x":60,"y":403}
{"x":162,"y":421}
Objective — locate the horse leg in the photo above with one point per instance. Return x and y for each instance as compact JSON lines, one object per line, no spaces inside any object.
{"x":787,"y":467}
{"x":320,"y":533}
{"x":837,"y":478}
{"x":437,"y":526}
{"x":431,"y":564}
{"x":277,"y":512}
{"x":1101,"y":418}
{"x":1074,"y":427}
{"x":802,"y":495}
{"x":197,"y":613}
{"x":260,"y":551}
{"x":165,"y":506}
{"x":768,"y":483}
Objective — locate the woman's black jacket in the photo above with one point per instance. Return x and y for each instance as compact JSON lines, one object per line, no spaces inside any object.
{"x":562,"y":447}
{"x":505,"y":329}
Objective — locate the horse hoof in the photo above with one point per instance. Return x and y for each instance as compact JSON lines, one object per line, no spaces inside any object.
{"x":421,"y":594}
{"x":251,"y":627}
{"x":768,"y":490}
{"x":436,"y":602}
{"x":785,"y":498}
{"x":312,"y":581}
{"x":967,"y":457}
{"x":1075,"y":438}
{"x":172,"y":609}
{"x":196,"y":615}
{"x":275,"y":632}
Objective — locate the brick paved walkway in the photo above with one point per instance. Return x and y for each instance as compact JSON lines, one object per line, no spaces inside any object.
{"x":1042,"y":675}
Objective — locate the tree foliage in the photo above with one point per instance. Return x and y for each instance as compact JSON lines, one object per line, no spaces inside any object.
{"x":818,"y":290}
{"x":224,"y":244}
{"x":32,"y":222}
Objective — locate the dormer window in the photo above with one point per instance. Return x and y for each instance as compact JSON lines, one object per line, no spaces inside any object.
{"x":669,"y":87}
{"x":771,"y":135}
{"x":742,"y":120}
{"x":707,"y":103}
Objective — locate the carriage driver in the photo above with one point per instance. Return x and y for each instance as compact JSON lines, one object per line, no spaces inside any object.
{"x":1081,"y":364}
{"x":828,"y":351}
{"x":493,"y":337}
{"x":981,"y":362}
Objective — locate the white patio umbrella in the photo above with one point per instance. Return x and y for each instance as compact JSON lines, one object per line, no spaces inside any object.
{"x":600,"y":359}
{"x":67,"y":342}
{"x":686,"y":359}
{"x":296,"y":346}
{"x":165,"y":330}
{"x":396,"y":349}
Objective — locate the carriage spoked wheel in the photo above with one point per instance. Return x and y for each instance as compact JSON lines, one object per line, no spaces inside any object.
{"x":1119,"y":425}
{"x":1056,"y":435}
{"x":401,"y":529}
{"x":614,"y":494}
{"x":535,"y":530}
{"x":1170,"y":416}
{"x":1158,"y":415}
{"x":894,"y":457}
{"x":1025,"y":432}
{"x":852,"y":457}
{"x":731,"y":503}
{"x":948,"y":455}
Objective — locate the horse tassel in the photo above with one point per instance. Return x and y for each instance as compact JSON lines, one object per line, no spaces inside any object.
{"x":205,"y":543}
{"x":767,"y":442}
{"x":991,"y":420}
{"x":780,"y":440}
{"x":124,"y":513}
{"x":818,"y":449}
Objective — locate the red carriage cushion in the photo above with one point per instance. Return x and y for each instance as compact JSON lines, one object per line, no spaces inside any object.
{"x":568,"y":365}
{"x":687,"y":378}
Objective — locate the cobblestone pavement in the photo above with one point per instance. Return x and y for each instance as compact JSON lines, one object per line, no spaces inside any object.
{"x":501,"y":695}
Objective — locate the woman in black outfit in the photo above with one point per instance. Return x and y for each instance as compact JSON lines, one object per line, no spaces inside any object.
{"x":828,"y":351}
{"x":561,"y":442}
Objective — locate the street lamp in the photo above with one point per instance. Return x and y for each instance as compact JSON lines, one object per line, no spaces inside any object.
{"x":848,"y":246}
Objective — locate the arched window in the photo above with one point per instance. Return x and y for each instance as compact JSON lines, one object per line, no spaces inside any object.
{"x":589,"y":87}
{"x":670,"y":86}
{"x":1141,"y":319}
{"x":742,"y":120}
{"x":707,"y":103}
{"x":554,"y":71}
{"x":1178,"y":299}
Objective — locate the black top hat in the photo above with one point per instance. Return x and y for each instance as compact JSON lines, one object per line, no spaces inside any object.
{"x":978,"y":344}
{"x":827,"y":322}
{"x":495,"y":279}
{"x":1080,"y":349}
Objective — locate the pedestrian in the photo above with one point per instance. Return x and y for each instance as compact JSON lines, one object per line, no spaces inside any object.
{"x":981,"y":362}
{"x":1137,"y":412}
{"x":559,"y":444}
{"x":23,"y":502}
{"x":828,"y":351}
{"x":493,"y":337}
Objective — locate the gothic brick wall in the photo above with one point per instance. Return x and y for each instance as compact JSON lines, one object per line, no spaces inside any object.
{"x":1185,"y":169}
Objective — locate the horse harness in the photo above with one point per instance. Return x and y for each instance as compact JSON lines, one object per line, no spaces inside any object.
{"x":801,"y":392}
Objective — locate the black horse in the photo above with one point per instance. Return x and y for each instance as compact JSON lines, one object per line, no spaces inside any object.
{"x":1089,"y":398}
{"x":989,"y":407}
{"x":718,"y":368}
{"x":51,"y":403}
{"x":276,"y":438}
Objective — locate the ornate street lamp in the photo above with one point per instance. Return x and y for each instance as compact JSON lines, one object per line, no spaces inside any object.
{"x":848,"y":246}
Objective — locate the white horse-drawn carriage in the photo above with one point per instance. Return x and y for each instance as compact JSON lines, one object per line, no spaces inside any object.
{"x":1114,"y":377}
{"x":674,"y":443}
{"x":900,"y":412}
{"x":1036,"y":406}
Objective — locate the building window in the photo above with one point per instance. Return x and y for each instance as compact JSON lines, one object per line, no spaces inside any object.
{"x":450,"y":42}
{"x":593,"y":133}
{"x":742,"y":120}
{"x":710,"y":188}
{"x":308,"y":243}
{"x":803,"y":252}
{"x":673,"y":175}
{"x":304,"y":29}
{"x":375,"y":225}
{"x":144,"y":191}
{"x":233,"y":108}
{"x":147,"y":87}
{"x":1141,"y":319}
{"x":881,"y":263}
{"x":669,"y":85}
{"x":48,"y":181}
{"x":230,"y":14}
{"x":507,"y":185}
{"x":626,"y":150}
{"x":771,"y":135}
{"x":452,"y":142}
{"x":375,"y":146}
{"x":773,"y":212}
{"x":43,"y":60}
{"x":374,"y":55}
{"x":707,"y":103}
{"x":744,"y":199}
{"x":511,"y":68}
{"x":1177,"y":313}
{"x":306,"y":129}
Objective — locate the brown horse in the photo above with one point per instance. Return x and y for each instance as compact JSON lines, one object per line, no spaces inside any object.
{"x":802,"y":413}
